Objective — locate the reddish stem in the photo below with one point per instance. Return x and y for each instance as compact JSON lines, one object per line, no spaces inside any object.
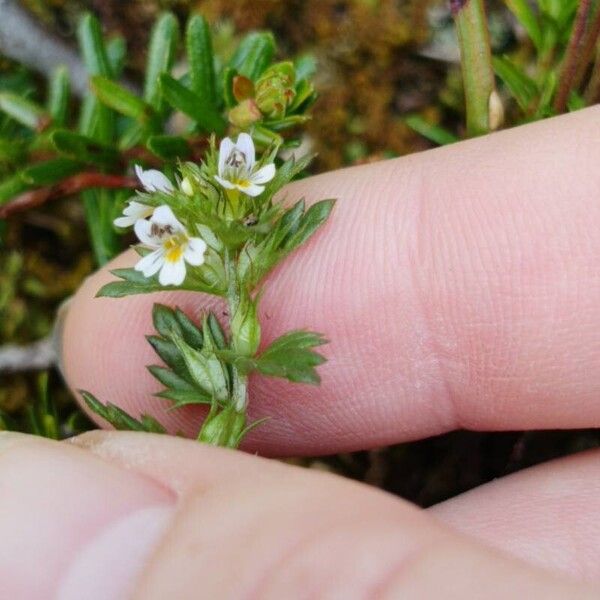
{"x":572,"y":54}
{"x":66,"y":187}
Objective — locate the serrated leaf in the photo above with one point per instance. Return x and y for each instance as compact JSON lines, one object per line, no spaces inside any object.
{"x":161,"y":55}
{"x":170,"y":379}
{"x":184,"y":398}
{"x":195,"y":107}
{"x":205,"y":368}
{"x":216,"y":331}
{"x":170,"y":355}
{"x":291,"y":357}
{"x":314,"y":217}
{"x":201,"y":59}
{"x":254,"y":54}
{"x":191,"y":334}
{"x":133,"y":282}
{"x":120,"y":419}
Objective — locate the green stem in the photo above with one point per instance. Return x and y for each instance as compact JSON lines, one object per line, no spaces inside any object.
{"x":239,"y":393}
{"x":476,"y":60}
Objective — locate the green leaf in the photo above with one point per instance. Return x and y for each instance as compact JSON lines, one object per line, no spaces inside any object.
{"x":291,"y":357}
{"x":314,"y":217}
{"x":216,"y":331}
{"x":161,"y":55}
{"x":168,"y":147}
{"x":116,"y":52}
{"x":434,"y":133}
{"x":92,"y":46}
{"x":171,"y":380}
{"x":11,"y":150}
{"x":119,"y":419}
{"x":50,"y":171}
{"x":23,"y":111}
{"x":195,"y":107}
{"x":184,"y":397}
{"x":527,"y":18}
{"x":191,"y":334}
{"x":99,"y":206}
{"x":11,"y":187}
{"x":170,"y":355}
{"x":123,"y":101}
{"x":58,"y":96}
{"x":205,"y":368}
{"x":82,"y":148}
{"x":254,"y":54}
{"x":521,"y":86}
{"x":201,"y":59}
{"x":227,"y":80}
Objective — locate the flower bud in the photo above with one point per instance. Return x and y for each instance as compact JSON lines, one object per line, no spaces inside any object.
{"x":223,"y":429}
{"x":245,"y":114}
{"x":245,"y":329}
{"x":275,"y":89}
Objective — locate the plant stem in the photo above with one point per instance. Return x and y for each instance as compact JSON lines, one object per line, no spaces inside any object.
{"x":572,"y":54}
{"x":476,"y":61}
{"x":589,"y":45}
{"x":239,"y":392}
{"x":592,"y":92}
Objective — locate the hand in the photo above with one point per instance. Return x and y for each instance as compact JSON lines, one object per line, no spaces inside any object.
{"x":460,"y":288}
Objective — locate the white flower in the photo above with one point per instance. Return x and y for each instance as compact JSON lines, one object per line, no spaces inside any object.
{"x":133,"y":212}
{"x":238,"y":168}
{"x":172,"y":247}
{"x":152,"y":181}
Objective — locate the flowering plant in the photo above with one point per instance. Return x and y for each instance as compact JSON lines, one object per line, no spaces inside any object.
{"x":216,"y":230}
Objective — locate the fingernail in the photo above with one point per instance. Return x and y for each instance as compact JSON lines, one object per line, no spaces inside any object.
{"x":57,"y":333}
{"x":73,"y":525}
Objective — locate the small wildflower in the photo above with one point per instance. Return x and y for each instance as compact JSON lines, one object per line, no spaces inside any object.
{"x":238,"y":168}
{"x":172,"y":247}
{"x":152,"y":181}
{"x":134,"y":211}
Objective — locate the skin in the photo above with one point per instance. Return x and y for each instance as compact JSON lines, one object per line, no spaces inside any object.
{"x":459,"y":288}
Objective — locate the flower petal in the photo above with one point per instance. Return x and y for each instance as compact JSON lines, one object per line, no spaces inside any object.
{"x":124,"y":221}
{"x":143,"y":231}
{"x":163,"y":215}
{"x":151,"y":263}
{"x":153,"y":180}
{"x":172,"y":273}
{"x":194,"y":253}
{"x":225,"y":149}
{"x":251,"y":189}
{"x":264,"y":174}
{"x":246,"y":145}
{"x":226,"y":184}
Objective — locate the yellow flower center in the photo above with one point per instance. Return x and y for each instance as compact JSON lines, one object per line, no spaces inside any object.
{"x":174,"y":247}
